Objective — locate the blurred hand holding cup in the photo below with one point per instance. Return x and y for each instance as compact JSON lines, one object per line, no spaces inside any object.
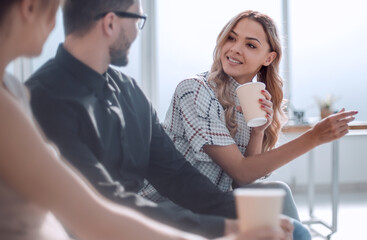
{"x":249,"y":95}
{"x":258,"y":207}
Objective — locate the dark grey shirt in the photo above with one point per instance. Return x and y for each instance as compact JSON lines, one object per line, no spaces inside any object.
{"x":105,"y":126}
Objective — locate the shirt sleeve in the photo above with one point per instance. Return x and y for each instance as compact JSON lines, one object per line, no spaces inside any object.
{"x":201,"y":114}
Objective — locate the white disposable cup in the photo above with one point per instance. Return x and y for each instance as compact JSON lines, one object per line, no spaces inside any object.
{"x":257,"y":207}
{"x":249,"y":95}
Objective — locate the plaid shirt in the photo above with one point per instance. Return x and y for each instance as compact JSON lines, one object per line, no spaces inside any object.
{"x":196,"y":118}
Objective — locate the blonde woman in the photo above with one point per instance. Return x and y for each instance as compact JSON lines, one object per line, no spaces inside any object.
{"x":209,"y":129}
{"x":33,"y":179}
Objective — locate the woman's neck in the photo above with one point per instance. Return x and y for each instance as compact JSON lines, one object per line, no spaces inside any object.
{"x":244,"y":79}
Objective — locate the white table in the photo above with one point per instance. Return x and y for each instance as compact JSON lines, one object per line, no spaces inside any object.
{"x":355,"y":128}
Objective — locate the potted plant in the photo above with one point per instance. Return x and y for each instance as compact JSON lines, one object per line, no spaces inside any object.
{"x":325,"y":105}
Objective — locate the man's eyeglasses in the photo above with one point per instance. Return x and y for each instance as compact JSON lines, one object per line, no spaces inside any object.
{"x":140,"y":23}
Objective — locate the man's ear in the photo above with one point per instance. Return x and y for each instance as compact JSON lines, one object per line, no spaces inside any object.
{"x":270,"y":58}
{"x":108,"y":24}
{"x":28,"y":9}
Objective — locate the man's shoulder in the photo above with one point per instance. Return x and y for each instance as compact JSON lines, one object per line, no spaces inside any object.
{"x":126,"y":82}
{"x":121,"y":77}
{"x":46,"y":72}
{"x":53,"y":80}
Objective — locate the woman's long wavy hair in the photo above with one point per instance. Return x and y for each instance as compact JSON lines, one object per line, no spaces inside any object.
{"x":269,"y":75}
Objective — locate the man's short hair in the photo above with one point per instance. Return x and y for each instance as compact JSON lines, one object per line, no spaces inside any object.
{"x":79,"y":15}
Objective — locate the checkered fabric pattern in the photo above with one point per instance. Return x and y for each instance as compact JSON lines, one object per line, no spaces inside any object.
{"x":196,"y":118}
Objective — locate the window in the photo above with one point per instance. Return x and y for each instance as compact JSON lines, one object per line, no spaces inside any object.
{"x":328,"y":54}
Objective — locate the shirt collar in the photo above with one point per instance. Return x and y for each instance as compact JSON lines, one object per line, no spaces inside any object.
{"x":82,"y":73}
{"x":233,"y":83}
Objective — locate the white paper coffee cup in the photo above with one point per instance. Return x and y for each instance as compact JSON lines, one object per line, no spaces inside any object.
{"x":257,"y":207}
{"x":249,"y":95}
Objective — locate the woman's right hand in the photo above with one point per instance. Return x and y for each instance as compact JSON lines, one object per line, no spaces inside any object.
{"x":332,"y":127}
